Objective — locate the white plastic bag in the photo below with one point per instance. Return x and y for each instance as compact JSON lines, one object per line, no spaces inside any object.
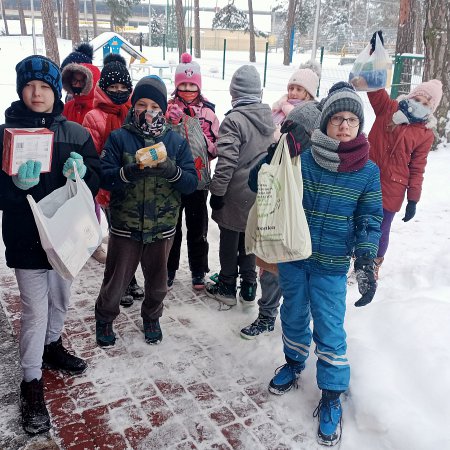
{"x":277,"y":230}
{"x":371,"y":72}
{"x":68,"y":226}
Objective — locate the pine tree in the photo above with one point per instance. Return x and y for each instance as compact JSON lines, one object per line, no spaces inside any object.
{"x":121,"y":11}
{"x":48,"y":25}
{"x":230,"y":18}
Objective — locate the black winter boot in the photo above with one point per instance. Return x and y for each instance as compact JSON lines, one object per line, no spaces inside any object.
{"x":247,"y":293}
{"x":57,"y":357}
{"x":35,"y":418}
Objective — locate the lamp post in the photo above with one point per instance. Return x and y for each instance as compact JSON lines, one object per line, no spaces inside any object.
{"x":33,"y":31}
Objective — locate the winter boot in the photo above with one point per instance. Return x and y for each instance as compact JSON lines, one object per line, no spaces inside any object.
{"x":247,"y":293}
{"x":135,"y":290}
{"x":170,"y":278}
{"x":329,"y":413}
{"x":152,"y":331}
{"x":198,"y":280}
{"x":378,"y":261}
{"x":104,"y":334}
{"x":35,"y":418}
{"x":56,"y":356}
{"x":224,"y":293}
{"x":263,"y":325}
{"x":285,"y":378}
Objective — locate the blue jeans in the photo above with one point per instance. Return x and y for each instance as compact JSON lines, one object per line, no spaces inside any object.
{"x":323,"y":296}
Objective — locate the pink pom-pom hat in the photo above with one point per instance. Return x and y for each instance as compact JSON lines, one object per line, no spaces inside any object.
{"x":188,"y":71}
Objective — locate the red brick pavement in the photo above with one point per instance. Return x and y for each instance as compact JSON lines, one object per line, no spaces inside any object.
{"x":176,"y":395}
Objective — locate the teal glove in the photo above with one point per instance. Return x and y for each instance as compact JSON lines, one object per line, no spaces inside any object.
{"x":68,"y":166}
{"x":28,"y":175}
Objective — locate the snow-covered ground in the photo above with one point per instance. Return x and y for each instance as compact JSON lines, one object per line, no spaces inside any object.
{"x":397,"y":346}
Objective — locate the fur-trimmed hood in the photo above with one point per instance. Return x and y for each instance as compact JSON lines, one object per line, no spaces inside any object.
{"x":431,"y":122}
{"x":91,"y":72}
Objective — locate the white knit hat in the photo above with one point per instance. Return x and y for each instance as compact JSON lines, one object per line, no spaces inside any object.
{"x":307,"y":76}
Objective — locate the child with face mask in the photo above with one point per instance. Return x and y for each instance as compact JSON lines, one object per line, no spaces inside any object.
{"x":188,"y":99}
{"x":144,"y":208}
{"x":400,"y":140}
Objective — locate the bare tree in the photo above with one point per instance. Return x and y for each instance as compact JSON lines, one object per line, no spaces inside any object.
{"x":289,"y":28}
{"x":181,"y":32}
{"x":64,"y":20}
{"x":23,"y":25}
{"x":252,"y":31}
{"x":436,"y":36}
{"x":72,"y":19}
{"x":4,"y":17}
{"x":48,"y":25}
{"x":94,"y":17}
{"x":197,"y":49}
{"x":419,"y":26}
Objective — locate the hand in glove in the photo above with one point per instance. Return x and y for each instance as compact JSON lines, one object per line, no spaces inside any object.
{"x":68,"y":166}
{"x":297,"y":137}
{"x":174,"y":114}
{"x":216,"y":202}
{"x":167,"y":169}
{"x":365,"y":276}
{"x":373,"y":40}
{"x":410,"y":211}
{"x":132,"y":172}
{"x":28,"y":175}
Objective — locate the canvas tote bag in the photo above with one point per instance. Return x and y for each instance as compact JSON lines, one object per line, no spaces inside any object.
{"x":67,"y":225}
{"x":277,"y":230}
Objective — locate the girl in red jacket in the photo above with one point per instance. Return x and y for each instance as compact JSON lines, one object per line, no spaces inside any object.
{"x":79,"y":80}
{"x":400,"y":141}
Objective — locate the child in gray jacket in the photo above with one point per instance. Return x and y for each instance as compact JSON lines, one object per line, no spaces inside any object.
{"x":244,"y":136}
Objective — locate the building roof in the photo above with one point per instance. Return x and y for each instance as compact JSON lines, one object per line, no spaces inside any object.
{"x":104,"y":38}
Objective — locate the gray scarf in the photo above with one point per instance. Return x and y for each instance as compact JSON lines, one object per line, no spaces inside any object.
{"x":245,"y":100}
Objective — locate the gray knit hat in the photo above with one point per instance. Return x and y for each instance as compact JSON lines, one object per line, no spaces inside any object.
{"x":306,"y":114}
{"x":151,"y":87}
{"x":338,"y":100}
{"x":246,"y":81}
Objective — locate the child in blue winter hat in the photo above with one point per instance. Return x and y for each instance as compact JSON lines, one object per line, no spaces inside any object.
{"x":44,"y":294}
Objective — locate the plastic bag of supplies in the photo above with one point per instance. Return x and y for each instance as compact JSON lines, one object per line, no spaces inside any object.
{"x":68,"y":227}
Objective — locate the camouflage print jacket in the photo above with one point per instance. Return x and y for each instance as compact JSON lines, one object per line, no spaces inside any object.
{"x":146,"y":210}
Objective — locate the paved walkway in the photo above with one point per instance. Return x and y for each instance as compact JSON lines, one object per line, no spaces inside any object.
{"x":189,"y":392}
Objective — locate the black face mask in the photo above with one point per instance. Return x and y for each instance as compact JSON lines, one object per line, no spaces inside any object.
{"x":77,"y":90}
{"x":119,"y":97}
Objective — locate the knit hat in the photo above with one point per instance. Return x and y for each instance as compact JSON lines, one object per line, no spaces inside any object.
{"x":432,"y":90}
{"x":151,"y":87}
{"x":38,"y":67}
{"x":338,"y":100}
{"x":111,"y":57}
{"x":307,"y":76}
{"x":188,"y":71}
{"x":82,"y":53}
{"x":115,"y":72}
{"x":246,"y":81}
{"x":306,"y":114}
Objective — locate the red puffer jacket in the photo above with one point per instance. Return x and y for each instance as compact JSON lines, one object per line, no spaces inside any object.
{"x":400,"y":152}
{"x":76,"y":109}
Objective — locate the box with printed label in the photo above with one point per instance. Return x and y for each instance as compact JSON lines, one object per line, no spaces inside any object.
{"x":23,"y":144}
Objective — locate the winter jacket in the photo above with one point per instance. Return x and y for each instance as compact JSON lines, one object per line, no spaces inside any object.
{"x":400,"y":153}
{"x":100,"y":121}
{"x":80,"y":105}
{"x":244,"y":136}
{"x":20,"y":234}
{"x":146,"y":210}
{"x":343,"y":211}
{"x":208,"y":120}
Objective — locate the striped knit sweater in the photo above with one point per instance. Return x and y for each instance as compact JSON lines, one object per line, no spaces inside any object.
{"x":344,"y":213}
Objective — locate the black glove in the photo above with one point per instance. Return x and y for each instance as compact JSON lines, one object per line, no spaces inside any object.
{"x":297,"y":137}
{"x":167,"y":169}
{"x":410,"y":211}
{"x":216,"y":202}
{"x":365,"y":276}
{"x":132,"y":172}
{"x":373,"y":40}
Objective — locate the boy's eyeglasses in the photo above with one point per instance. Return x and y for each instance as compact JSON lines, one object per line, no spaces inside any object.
{"x":338,"y":121}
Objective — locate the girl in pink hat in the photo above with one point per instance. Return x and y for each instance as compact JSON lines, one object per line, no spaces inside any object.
{"x":188,"y":99}
{"x":400,"y":141}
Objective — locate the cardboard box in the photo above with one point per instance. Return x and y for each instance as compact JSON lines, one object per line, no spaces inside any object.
{"x":23,"y":144}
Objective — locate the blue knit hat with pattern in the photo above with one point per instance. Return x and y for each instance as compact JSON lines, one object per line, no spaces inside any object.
{"x":38,"y":67}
